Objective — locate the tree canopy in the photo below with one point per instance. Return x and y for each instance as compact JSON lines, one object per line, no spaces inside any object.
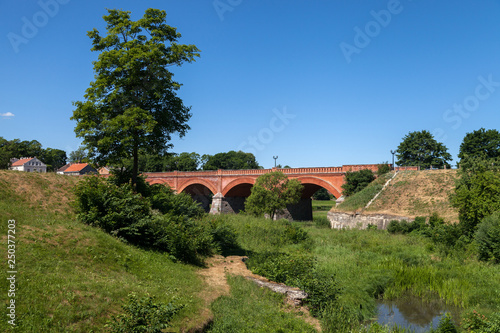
{"x":271,"y":193}
{"x":232,"y":160}
{"x":53,"y":158}
{"x":132,"y":105}
{"x":484,"y":144}
{"x":421,"y":149}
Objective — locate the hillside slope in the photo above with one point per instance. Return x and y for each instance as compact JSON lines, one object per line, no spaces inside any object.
{"x":72,"y":277}
{"x":418,"y":193}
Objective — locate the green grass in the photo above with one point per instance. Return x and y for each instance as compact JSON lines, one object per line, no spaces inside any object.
{"x":72,"y":277}
{"x":359,"y":200}
{"x":321,"y":207}
{"x":254,"y":309}
{"x":370,"y":264}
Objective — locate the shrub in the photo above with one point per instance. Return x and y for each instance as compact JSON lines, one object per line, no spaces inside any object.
{"x":383,"y":168}
{"x":144,"y":315}
{"x":107,"y":206}
{"x":488,"y":238}
{"x":223,"y":234}
{"x":166,"y":201}
{"x":356,"y":181}
{"x":476,"y":322}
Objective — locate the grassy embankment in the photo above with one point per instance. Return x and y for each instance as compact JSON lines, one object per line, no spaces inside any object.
{"x":72,"y":277}
{"x":410,"y":193}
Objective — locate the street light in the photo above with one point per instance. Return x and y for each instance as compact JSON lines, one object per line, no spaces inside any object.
{"x":275,"y":158}
{"x":392,"y":152}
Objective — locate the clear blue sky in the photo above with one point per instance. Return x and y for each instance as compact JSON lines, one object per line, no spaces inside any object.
{"x":316,"y":83}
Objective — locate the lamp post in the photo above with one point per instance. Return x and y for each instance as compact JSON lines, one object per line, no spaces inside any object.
{"x":392,"y":152}
{"x":275,"y":158}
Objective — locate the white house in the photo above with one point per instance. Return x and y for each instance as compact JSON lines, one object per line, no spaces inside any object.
{"x":28,"y":164}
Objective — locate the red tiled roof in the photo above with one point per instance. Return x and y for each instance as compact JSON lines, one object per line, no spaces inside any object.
{"x":76,"y":167}
{"x":22,"y":161}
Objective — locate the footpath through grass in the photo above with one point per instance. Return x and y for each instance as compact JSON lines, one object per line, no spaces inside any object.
{"x":72,"y":277}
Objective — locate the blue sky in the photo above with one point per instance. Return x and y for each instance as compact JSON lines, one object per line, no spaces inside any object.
{"x":316,"y":83}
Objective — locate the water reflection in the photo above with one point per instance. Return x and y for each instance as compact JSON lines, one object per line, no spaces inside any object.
{"x":412,"y":312}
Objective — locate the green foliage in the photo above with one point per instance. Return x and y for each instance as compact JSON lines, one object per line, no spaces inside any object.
{"x":475,"y":322}
{"x":321,"y":194}
{"x":144,"y":316}
{"x":483,"y":144}
{"x":171,"y":227}
{"x":107,"y":206}
{"x":232,"y":160}
{"x":321,"y":222}
{"x":361,"y":198}
{"x":420,"y":148}
{"x":356,"y":181}
{"x":477,"y":193}
{"x":271,"y":193}
{"x":53,"y":158}
{"x":223,"y":234}
{"x":383,"y":168}
{"x":488,"y":238}
{"x":446,"y":325}
{"x":80,"y":155}
{"x":132,"y":106}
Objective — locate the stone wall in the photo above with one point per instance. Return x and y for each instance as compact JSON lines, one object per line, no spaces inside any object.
{"x":340,"y":220}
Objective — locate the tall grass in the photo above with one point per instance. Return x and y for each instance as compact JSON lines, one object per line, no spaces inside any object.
{"x":371,"y":264}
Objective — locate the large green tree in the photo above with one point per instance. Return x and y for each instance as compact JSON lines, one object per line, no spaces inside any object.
{"x":271,"y":193}
{"x":421,"y":149}
{"x":53,"y":158}
{"x":232,"y":160}
{"x":483,"y":144}
{"x":477,"y":192}
{"x":355,"y":181}
{"x":132,"y":105}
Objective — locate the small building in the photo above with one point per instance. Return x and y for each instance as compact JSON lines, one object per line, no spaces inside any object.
{"x":104,"y":170}
{"x":76,"y":169}
{"x":28,"y":164}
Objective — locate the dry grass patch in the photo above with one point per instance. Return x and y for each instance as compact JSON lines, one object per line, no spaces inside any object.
{"x":418,"y":193}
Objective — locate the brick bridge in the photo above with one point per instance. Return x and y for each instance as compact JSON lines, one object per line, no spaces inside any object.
{"x":226,"y":190}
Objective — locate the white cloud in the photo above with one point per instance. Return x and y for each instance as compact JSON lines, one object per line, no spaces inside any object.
{"x":8,"y":114}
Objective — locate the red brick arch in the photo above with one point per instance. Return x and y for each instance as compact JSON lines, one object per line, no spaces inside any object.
{"x":203,"y":182}
{"x":236,"y":182}
{"x":320,"y":182}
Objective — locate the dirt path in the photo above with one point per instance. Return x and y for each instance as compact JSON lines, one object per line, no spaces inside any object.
{"x":215,"y":278}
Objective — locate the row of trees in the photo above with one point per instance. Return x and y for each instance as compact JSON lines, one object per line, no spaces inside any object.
{"x":421,"y":149}
{"x":232,"y":160}
{"x":53,"y":158}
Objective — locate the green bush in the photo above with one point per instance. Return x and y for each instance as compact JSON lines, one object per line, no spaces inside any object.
{"x":114,"y":207}
{"x":476,"y":322}
{"x":488,"y":238}
{"x":356,"y":181}
{"x":223,"y":234}
{"x":104,"y":205}
{"x":144,"y":315}
{"x":383,"y":168}
{"x":321,"y":194}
